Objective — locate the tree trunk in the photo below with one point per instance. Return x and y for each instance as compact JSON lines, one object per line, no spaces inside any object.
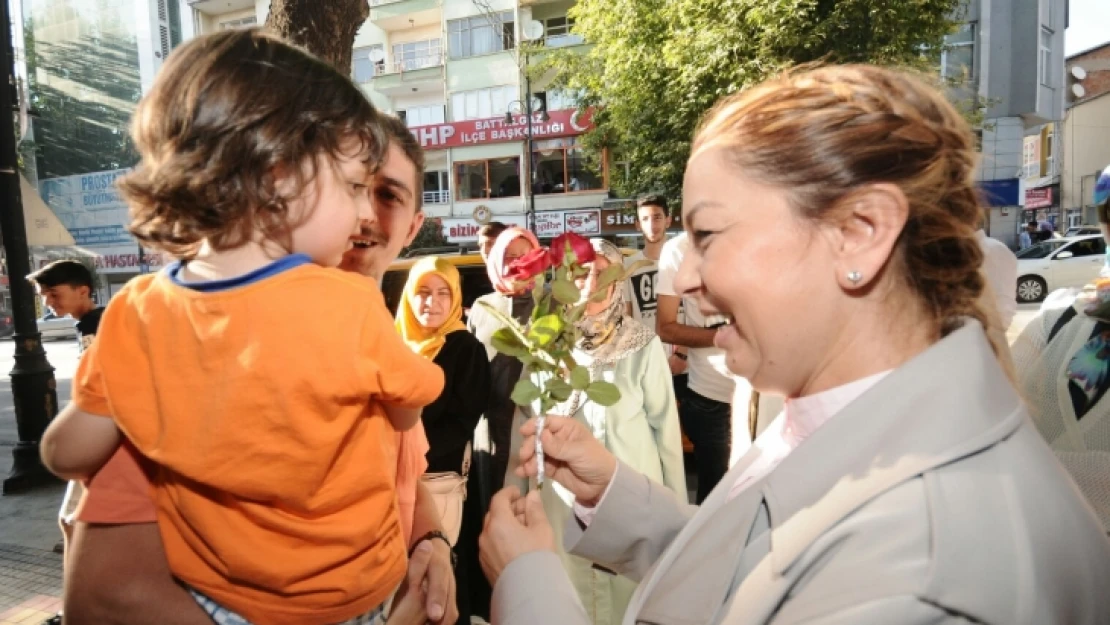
{"x":325,"y":28}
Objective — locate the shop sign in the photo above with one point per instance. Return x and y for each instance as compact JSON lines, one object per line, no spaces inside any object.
{"x":114,"y":260}
{"x":564,"y":123}
{"x":1038,"y":198}
{"x":617,"y":220}
{"x":466,"y":230}
{"x":586,"y":222}
{"x":90,"y":207}
{"x":549,"y":224}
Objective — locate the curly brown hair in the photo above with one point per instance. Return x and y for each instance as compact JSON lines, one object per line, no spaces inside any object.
{"x":822,"y":133}
{"x":229,"y":116}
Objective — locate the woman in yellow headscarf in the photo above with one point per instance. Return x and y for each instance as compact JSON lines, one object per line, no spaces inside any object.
{"x":429,"y":319}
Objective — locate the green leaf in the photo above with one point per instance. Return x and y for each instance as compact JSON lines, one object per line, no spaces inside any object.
{"x":545,"y":330}
{"x":580,"y":378}
{"x":603,"y":393}
{"x":612,"y":273}
{"x":576,"y":313}
{"x":524,"y":393}
{"x":507,"y":342}
{"x":558,"y":389}
{"x":565,"y":292}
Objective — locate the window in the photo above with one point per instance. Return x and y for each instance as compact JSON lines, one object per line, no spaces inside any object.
{"x":561,"y":167}
{"x":482,"y":103}
{"x":481,"y":34}
{"x":559,"y":100}
{"x":957,"y":61}
{"x":437,"y":187}
{"x":243,"y":22}
{"x":494,"y":178}
{"x":1044,"y":66}
{"x":362,"y":68}
{"x":417,"y":55}
{"x":1094,"y":246}
{"x":557,"y":32}
{"x":422,"y":115}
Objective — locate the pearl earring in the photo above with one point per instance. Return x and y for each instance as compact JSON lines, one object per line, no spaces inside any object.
{"x":854,"y":277}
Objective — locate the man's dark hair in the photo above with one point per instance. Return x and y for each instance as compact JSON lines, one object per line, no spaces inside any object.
{"x":654,"y":199}
{"x":68,"y":272}
{"x":492,"y":230}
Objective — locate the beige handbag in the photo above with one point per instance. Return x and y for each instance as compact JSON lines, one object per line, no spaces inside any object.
{"x":448,"y":490}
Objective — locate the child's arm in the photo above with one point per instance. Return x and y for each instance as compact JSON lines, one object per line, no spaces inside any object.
{"x":401,"y":417}
{"x":77,"y":443}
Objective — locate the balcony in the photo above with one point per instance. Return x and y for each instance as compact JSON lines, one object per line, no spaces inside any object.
{"x":392,"y":15}
{"x":409,"y":75}
{"x":220,"y":7}
{"x":437,"y":197}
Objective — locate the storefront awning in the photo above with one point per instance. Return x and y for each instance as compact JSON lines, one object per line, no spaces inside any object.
{"x":43,"y":226}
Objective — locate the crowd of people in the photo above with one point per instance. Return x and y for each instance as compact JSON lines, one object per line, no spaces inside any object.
{"x":256,"y":432}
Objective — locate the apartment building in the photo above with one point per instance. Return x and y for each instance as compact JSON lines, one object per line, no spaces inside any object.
{"x":1086,"y":130}
{"x":1009,"y":58}
{"x":453,"y":70}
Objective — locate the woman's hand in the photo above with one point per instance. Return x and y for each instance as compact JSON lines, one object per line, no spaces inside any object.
{"x":514,"y":526}
{"x":572,"y":457}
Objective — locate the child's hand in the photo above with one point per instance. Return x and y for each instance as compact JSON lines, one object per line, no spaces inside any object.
{"x":77,"y":443}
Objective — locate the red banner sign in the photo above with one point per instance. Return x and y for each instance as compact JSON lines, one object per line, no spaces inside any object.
{"x":1038,"y":198}
{"x":565,"y":123}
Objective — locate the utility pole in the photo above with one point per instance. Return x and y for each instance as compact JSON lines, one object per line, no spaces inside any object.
{"x":33,"y":387}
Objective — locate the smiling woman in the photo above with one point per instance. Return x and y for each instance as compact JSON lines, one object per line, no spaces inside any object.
{"x":833,"y":217}
{"x":429,"y":319}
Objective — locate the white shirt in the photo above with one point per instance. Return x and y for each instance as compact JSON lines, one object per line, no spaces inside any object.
{"x":1001,"y":268}
{"x":704,"y":378}
{"x":799,"y":418}
{"x":640,"y":289}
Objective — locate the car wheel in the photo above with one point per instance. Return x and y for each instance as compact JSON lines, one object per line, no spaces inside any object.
{"x":1031,"y":289}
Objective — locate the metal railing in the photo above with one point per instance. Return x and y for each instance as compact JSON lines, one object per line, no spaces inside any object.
{"x":437,"y":197}
{"x":409,"y":65}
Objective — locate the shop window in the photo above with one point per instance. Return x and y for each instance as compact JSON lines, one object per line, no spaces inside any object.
{"x":493,"y":178}
{"x":561,"y":166}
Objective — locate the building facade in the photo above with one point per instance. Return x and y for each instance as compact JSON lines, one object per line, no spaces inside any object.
{"x":453,"y":70}
{"x":1086,"y":131}
{"x":1008,"y":60}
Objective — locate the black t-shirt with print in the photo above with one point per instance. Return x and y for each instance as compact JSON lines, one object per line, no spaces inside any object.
{"x":87,"y":326}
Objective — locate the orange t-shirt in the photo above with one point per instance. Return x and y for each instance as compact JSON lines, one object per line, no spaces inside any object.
{"x":274,"y":476}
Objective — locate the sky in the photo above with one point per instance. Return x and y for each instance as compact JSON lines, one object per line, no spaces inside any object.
{"x":1089,"y":25}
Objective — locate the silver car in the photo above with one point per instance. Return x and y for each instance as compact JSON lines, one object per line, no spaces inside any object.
{"x":52,"y":326}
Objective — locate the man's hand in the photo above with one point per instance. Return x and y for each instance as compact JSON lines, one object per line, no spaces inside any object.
{"x":514,"y":526}
{"x":676,"y":364}
{"x":431,"y":579}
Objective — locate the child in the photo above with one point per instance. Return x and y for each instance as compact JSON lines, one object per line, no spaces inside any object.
{"x":265,"y":384}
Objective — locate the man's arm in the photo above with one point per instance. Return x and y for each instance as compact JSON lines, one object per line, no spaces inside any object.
{"x":78,"y":443}
{"x":440,"y":579}
{"x":671,"y":331}
{"x":118,"y":575}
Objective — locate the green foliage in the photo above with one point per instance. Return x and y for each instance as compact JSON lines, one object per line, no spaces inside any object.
{"x":656,"y":66}
{"x":429,"y":235}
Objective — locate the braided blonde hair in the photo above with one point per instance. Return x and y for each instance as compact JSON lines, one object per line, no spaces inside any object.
{"x":822,"y":133}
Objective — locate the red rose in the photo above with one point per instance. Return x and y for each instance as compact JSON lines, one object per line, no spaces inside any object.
{"x":529,"y":266}
{"x":580,"y":246}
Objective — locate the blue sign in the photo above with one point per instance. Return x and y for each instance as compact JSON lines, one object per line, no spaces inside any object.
{"x":1000,"y":192}
{"x":89,"y":206}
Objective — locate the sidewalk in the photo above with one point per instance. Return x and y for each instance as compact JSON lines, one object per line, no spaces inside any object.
{"x":30,"y":571}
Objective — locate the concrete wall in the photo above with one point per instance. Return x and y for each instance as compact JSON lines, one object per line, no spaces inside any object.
{"x":1086,"y":149}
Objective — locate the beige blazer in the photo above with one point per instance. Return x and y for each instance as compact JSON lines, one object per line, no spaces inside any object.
{"x":930,"y":499}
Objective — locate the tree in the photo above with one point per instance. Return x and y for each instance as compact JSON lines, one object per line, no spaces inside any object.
{"x":656,"y":66}
{"x":326,"y":29}
{"x":430,"y":235}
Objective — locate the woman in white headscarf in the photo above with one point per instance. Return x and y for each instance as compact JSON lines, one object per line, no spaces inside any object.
{"x":641,"y":429}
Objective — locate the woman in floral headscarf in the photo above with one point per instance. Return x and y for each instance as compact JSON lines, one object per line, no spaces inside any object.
{"x":1063,"y":367}
{"x":641,"y":429}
